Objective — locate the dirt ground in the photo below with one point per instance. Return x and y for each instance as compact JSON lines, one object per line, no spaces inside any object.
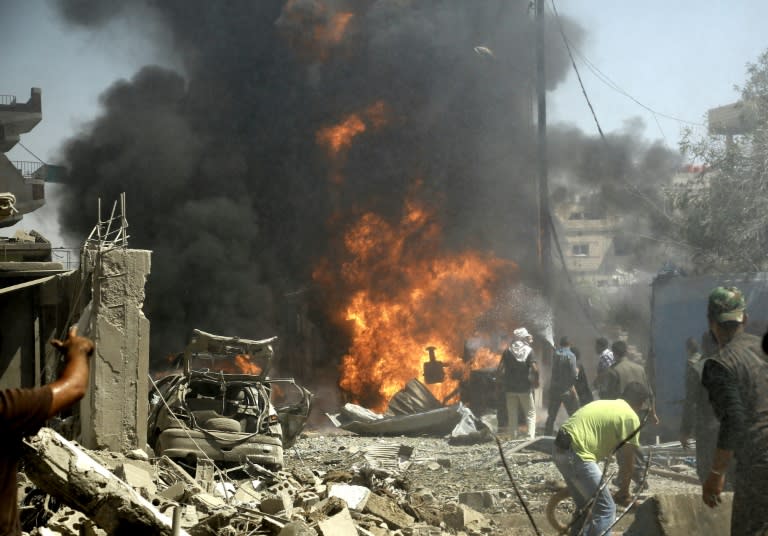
{"x":448,"y":471}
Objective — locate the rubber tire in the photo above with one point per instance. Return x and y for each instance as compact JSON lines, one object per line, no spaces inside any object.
{"x":556,"y":498}
{"x":222,"y":424}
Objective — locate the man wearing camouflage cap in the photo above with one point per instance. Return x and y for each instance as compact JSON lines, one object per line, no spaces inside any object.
{"x":736,"y":378}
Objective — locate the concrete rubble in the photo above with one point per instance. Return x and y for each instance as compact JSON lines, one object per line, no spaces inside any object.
{"x":100,"y":492}
{"x":331,"y":485}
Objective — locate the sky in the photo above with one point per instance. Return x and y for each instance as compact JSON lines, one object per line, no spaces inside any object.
{"x":678,"y":58}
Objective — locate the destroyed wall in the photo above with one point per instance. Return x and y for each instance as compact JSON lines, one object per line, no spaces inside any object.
{"x":114,"y":410}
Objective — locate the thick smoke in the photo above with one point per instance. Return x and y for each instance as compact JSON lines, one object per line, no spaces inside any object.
{"x":225,"y":180}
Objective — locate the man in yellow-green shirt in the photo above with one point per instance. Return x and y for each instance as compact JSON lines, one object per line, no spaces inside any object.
{"x":589,"y":436}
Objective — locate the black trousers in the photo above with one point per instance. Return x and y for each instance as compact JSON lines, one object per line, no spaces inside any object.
{"x":556,"y":398}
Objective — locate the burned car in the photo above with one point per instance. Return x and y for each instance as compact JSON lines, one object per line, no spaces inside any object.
{"x":223,"y":405}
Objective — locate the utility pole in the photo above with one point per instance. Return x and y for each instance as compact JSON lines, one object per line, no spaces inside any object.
{"x":544,"y":235}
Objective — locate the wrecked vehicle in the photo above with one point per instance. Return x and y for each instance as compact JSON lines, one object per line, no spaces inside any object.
{"x":223,"y":406}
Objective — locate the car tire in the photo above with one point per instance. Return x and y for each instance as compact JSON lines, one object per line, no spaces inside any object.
{"x":222,"y":424}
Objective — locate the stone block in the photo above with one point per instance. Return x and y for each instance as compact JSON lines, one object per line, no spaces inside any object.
{"x":340,"y":524}
{"x":479,"y":499}
{"x":276,"y":503}
{"x":297,"y":528}
{"x":461,"y":517}
{"x":136,"y":477}
{"x":354,"y":496}
{"x":175,"y":492}
{"x":247,"y":493}
{"x":681,"y":514}
{"x":388,"y":510}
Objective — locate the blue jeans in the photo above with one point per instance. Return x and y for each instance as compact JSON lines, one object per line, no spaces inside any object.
{"x":583,"y":479}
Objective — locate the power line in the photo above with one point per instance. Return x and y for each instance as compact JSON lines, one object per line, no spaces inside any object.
{"x":605,"y":79}
{"x":575,"y":69}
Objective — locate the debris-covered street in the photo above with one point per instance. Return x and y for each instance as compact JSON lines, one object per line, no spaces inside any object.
{"x":383,"y":268}
{"x":395,"y":485}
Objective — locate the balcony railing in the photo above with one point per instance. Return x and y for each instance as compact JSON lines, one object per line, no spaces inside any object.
{"x":7,"y":100}
{"x":30,"y":170}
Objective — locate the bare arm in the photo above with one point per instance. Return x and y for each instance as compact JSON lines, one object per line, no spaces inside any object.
{"x":626,"y":459}
{"x":715,"y":482}
{"x":73,"y":381}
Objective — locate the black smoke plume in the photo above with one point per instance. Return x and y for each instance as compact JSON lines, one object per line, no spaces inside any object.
{"x":224,"y":177}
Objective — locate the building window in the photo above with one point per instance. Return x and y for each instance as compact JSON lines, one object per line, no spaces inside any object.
{"x":580,"y":250}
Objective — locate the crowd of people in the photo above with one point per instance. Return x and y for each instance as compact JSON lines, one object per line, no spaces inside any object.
{"x":725,"y":410}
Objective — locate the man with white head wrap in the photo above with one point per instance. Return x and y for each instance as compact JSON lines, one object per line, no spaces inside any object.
{"x":519,"y":375}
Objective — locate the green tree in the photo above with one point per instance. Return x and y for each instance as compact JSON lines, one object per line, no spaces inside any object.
{"x":723,"y":213}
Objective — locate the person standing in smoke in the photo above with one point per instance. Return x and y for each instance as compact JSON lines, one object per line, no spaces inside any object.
{"x":562,"y":384}
{"x":605,"y":360}
{"x":582,"y":382}
{"x":519,"y":374}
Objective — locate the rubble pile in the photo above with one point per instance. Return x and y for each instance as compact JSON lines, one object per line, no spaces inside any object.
{"x":332,"y":484}
{"x":71,"y":492}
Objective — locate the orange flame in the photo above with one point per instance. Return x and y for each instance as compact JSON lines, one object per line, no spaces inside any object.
{"x":405,"y":296}
{"x":337,"y":139}
{"x":245,"y":365}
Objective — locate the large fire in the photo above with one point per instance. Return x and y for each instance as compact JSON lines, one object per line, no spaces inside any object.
{"x":406,"y":295}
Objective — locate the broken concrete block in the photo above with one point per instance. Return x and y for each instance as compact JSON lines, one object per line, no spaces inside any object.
{"x":297,"y":528}
{"x":434,"y":466}
{"x":340,"y":524}
{"x":307,"y":499}
{"x":175,"y":492}
{"x":421,"y":496}
{"x":304,"y":475}
{"x":136,"y":477}
{"x":137,"y":454}
{"x":388,"y":510}
{"x":276,"y":503}
{"x":207,"y":502}
{"x":248,"y":493}
{"x":63,"y":470}
{"x":284,"y":486}
{"x":479,"y":499}
{"x":68,"y":522}
{"x":681,"y":514}
{"x":354,"y":496}
{"x":461,"y":517}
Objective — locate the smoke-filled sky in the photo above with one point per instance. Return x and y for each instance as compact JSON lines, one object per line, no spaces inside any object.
{"x":207,"y":114}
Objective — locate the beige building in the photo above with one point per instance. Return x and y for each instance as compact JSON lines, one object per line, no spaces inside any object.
{"x":594,"y":252}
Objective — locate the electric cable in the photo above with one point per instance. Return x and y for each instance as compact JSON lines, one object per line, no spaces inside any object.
{"x":514,"y":486}
{"x":600,"y":75}
{"x":576,"y":69}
